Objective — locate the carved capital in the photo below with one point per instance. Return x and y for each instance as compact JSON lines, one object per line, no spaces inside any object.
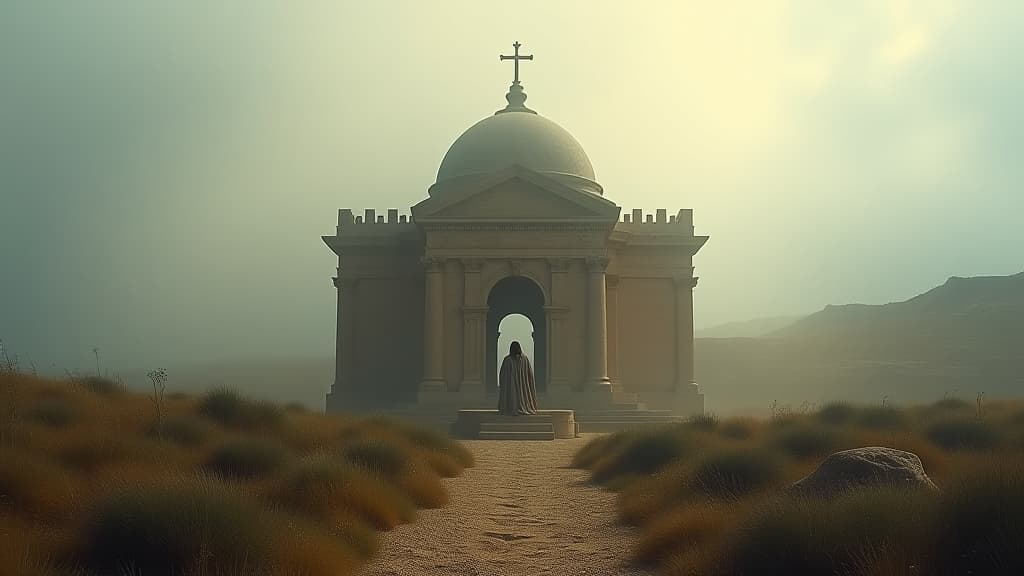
{"x":432,"y":263}
{"x":558,"y":264}
{"x":474,"y":265}
{"x":597,"y":264}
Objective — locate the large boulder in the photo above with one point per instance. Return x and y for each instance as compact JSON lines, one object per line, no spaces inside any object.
{"x":863,"y":467}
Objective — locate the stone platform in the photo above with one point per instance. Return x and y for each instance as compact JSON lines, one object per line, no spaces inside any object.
{"x":489,"y":425}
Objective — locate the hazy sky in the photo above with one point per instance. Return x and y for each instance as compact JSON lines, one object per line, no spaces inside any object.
{"x":167,"y":168}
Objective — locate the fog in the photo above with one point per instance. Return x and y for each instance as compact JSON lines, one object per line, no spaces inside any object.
{"x":167,"y":170}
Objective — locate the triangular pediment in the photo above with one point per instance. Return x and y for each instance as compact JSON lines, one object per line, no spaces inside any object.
{"x":516,"y":195}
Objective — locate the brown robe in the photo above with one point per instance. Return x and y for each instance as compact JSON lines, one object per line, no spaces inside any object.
{"x":517,"y":390}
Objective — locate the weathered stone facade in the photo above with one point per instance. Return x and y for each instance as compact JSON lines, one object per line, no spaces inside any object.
{"x":420,"y":296}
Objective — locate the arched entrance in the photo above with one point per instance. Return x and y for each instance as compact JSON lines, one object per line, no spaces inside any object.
{"x":516,"y":295}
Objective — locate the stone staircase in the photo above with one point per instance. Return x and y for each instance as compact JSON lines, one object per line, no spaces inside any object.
{"x":614,"y":420}
{"x":516,"y":431}
{"x":620,"y":415}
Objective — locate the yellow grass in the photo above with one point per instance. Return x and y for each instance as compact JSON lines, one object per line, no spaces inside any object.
{"x":85,"y":465}
{"x":690,"y":525}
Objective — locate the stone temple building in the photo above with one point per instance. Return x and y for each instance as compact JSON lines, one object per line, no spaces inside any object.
{"x":516,"y":222}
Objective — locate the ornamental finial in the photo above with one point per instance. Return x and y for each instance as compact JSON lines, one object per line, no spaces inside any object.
{"x":516,"y":96}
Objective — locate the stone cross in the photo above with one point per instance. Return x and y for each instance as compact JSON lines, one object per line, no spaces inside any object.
{"x":516,"y":58}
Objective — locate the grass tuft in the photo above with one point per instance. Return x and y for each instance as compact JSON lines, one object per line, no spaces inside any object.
{"x":962,"y":434}
{"x":247,"y":459}
{"x":737,"y":472}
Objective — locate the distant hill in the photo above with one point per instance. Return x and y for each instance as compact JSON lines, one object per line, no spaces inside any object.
{"x":964,"y":337}
{"x":747,"y":328}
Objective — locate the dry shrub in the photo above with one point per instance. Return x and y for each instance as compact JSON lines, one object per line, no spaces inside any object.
{"x":737,"y":428}
{"x":704,"y":421}
{"x":26,"y":548}
{"x":883,"y":418}
{"x":325,"y":487}
{"x":962,"y":434}
{"x":32,"y":484}
{"x":732,"y":473}
{"x":808,"y":440}
{"x":191,"y":526}
{"x":836,"y":413}
{"x":90,"y":452}
{"x":102,"y":386}
{"x":642,"y":453}
{"x":384,"y":458}
{"x":424,"y":486}
{"x":230,"y":408}
{"x":55,"y":411}
{"x":831,"y":536}
{"x":184,"y":429}
{"x":683,"y":528}
{"x":597,"y":449}
{"x":247,"y":458}
{"x":980,"y":519}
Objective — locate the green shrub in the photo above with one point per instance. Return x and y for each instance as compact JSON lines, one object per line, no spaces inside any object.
{"x":379,"y":457}
{"x":102,"y":386}
{"x":643,"y":453}
{"x":53,"y":411}
{"x":197,"y":527}
{"x":733,"y":473}
{"x":836,"y":413}
{"x":230,"y":408}
{"x":248,"y":458}
{"x":962,"y":434}
{"x":807,"y":441}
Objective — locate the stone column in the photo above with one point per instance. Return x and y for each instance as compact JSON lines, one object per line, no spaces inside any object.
{"x":684,"y":332}
{"x":555,"y":314}
{"x":433,"y":327}
{"x":613,"y":330}
{"x":474,"y":325}
{"x":597,"y":327}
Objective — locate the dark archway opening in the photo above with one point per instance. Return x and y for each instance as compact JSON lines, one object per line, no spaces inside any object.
{"x":516,"y":295}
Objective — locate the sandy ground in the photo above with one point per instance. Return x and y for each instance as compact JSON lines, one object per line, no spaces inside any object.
{"x":520,"y":511}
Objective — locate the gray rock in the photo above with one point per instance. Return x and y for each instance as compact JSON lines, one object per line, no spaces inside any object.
{"x":863,"y":467}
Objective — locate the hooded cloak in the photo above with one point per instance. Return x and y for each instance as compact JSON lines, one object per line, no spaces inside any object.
{"x":517,"y":392}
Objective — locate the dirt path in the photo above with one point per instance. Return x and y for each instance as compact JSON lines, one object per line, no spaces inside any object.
{"x":520,"y":511}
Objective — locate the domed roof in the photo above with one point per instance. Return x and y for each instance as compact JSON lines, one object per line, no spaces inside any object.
{"x":519,"y":136}
{"x":516,"y":137}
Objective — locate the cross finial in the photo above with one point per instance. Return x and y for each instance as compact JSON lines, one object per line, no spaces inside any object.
{"x":516,"y":58}
{"x":516,"y":97}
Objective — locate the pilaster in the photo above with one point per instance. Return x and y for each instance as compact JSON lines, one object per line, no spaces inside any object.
{"x":433,"y":327}
{"x":474,"y":337}
{"x":684,"y":285}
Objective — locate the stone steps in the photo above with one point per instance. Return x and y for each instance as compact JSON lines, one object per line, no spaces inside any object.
{"x":548,"y":434}
{"x":516,"y":427}
{"x":612,"y":426}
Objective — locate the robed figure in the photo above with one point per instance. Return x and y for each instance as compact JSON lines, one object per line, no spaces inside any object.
{"x":517,"y":390}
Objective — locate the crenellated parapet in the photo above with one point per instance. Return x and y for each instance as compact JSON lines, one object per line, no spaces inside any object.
{"x":372,"y":230}
{"x":637,"y":229}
